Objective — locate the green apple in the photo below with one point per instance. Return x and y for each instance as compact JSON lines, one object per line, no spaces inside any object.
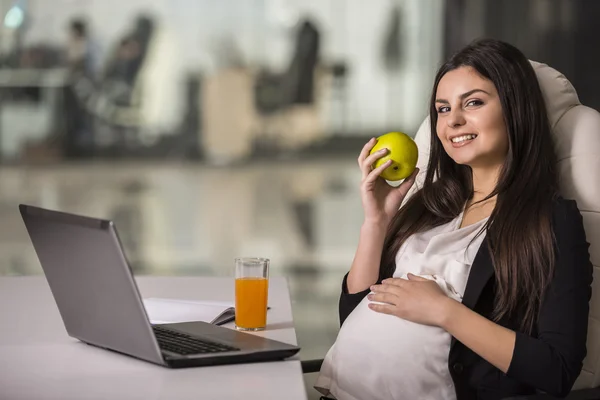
{"x":403,"y":152}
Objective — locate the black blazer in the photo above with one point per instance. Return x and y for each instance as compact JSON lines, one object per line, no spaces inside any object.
{"x":551,"y":358}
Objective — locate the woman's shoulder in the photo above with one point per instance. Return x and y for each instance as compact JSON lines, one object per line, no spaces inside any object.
{"x":567,"y":221}
{"x":565,"y":211}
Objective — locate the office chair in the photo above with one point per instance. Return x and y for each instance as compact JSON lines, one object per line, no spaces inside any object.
{"x":576,"y":133}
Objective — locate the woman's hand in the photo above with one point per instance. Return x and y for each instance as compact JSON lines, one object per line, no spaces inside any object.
{"x":414,"y":299}
{"x":380,"y":200}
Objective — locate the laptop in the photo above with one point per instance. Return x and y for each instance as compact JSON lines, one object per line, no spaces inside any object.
{"x":100,"y":304}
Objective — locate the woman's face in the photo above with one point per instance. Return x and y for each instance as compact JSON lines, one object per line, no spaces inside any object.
{"x":470,"y":121}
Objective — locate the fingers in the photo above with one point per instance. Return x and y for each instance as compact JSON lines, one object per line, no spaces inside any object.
{"x":366,"y":160}
{"x":367,"y":164}
{"x":373,"y":175}
{"x":414,"y":174}
{"x":386,"y":298}
{"x":374,"y":157}
{"x":388,"y":292}
{"x":382,"y":308}
{"x":408,"y":182}
{"x":416,"y":278}
{"x":366,"y":150}
{"x":391,"y":282}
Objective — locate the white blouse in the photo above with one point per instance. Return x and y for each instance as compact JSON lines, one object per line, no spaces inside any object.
{"x":380,"y":356}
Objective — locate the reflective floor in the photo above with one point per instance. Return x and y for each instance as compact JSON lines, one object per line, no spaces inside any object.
{"x":188,"y":219}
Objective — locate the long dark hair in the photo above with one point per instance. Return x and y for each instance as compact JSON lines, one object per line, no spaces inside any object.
{"x":519,"y":230}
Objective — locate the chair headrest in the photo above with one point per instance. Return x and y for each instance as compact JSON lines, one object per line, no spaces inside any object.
{"x":559,"y":94}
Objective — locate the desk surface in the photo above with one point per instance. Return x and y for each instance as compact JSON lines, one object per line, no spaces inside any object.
{"x":39,"y":361}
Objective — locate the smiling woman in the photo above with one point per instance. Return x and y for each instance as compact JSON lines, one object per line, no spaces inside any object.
{"x":470,"y":118}
{"x":478,"y":287}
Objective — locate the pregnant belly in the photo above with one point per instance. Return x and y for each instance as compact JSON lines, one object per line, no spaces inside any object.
{"x":382,"y":356}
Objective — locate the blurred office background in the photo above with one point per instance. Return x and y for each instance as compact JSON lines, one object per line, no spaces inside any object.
{"x":210,"y":129}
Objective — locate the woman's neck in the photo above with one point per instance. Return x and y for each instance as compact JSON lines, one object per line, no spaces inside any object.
{"x":484,"y":182}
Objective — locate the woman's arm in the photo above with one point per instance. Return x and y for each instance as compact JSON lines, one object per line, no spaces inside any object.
{"x":365,"y":268}
{"x":381,"y":202}
{"x":553,"y":359}
{"x":492,"y":342}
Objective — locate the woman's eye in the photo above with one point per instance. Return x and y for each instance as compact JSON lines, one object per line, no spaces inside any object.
{"x":474,"y":103}
{"x":443,"y":109}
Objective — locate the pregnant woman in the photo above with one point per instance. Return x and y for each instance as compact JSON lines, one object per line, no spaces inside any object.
{"x":478,"y":287}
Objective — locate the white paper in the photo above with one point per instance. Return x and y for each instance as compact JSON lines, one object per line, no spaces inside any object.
{"x":169,"y":311}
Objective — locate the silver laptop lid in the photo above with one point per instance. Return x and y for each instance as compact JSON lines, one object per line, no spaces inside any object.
{"x":91,"y":281}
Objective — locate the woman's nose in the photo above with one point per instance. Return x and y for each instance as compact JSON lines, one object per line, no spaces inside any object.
{"x":456,"y":119}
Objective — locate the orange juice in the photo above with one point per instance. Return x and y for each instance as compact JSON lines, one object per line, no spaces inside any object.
{"x":251,"y":302}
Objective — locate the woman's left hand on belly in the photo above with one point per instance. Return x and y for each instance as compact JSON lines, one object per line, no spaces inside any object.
{"x":414,"y":299}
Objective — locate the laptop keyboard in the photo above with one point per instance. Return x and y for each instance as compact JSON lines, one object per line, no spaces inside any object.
{"x":184,"y":344}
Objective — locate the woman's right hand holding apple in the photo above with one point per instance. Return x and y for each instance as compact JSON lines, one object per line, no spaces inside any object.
{"x":380,"y":200}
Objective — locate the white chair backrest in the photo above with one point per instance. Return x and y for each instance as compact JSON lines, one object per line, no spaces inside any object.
{"x":576,"y":134}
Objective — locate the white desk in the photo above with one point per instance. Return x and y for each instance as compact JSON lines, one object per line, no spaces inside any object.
{"x":39,"y":361}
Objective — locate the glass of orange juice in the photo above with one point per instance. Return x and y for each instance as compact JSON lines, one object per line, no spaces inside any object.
{"x":251,"y":293}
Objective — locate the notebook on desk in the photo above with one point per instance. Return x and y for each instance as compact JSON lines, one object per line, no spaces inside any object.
{"x":170,"y":311}
{"x":100,"y":304}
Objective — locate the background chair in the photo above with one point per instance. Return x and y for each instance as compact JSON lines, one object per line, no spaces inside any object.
{"x":576,"y":134}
